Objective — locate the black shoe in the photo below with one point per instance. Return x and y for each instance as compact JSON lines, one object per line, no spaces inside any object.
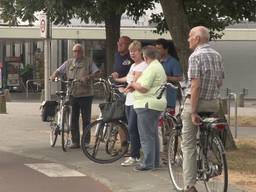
{"x":74,"y":146}
{"x":139,"y":167}
{"x":191,"y":189}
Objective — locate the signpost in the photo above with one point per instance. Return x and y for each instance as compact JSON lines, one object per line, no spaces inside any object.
{"x":43,"y":26}
{"x":46,"y":34}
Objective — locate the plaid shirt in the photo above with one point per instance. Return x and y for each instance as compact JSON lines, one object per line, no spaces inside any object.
{"x":206,"y":64}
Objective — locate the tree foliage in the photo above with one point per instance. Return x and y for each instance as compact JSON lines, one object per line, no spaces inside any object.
{"x":62,"y":11}
{"x":214,"y":14}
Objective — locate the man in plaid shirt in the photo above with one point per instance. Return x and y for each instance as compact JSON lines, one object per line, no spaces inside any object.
{"x":205,"y":73}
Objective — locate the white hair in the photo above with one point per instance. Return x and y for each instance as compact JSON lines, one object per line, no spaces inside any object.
{"x":202,"y":32}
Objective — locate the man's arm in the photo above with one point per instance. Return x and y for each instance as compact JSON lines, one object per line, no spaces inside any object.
{"x":195,"y":92}
{"x":59,"y":71}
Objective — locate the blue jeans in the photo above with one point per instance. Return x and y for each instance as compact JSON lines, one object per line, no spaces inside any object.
{"x":148,"y":130}
{"x":133,"y":131}
{"x":83,"y":105}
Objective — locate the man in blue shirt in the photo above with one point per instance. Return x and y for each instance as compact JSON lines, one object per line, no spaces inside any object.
{"x":172,"y":69}
{"x":122,"y":58}
{"x":174,"y":74}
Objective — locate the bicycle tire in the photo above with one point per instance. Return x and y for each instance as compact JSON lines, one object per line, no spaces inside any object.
{"x":216,"y":158}
{"x":175,"y":160}
{"x":55,"y":130}
{"x":99,"y":134}
{"x":65,"y":129}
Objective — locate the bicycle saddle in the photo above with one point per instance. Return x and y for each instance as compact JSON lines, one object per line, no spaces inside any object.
{"x":205,"y":114}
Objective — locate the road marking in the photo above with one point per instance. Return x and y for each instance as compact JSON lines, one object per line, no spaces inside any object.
{"x":55,"y":170}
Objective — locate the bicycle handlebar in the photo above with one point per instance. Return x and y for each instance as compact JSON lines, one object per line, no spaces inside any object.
{"x":163,"y":87}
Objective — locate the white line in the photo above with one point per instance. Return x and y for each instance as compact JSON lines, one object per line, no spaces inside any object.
{"x":55,"y":170}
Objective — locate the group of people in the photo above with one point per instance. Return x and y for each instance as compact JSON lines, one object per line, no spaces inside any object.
{"x":152,"y":66}
{"x":144,"y":69}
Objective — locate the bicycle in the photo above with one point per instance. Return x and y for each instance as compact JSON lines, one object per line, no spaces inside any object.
{"x":61,"y":122}
{"x":165,"y":125}
{"x":211,"y":159}
{"x":106,"y":142}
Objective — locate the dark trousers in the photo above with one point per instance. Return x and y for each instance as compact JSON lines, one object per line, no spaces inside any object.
{"x":134,"y":136}
{"x":83,"y":105}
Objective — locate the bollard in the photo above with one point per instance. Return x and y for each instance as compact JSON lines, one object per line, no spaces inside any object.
{"x":240,"y":100}
{"x":224,"y":105}
{"x":7,"y":95}
{"x":2,"y":103}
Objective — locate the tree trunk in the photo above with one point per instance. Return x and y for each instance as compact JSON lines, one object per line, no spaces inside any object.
{"x":178,"y":25}
{"x":112,"y":26}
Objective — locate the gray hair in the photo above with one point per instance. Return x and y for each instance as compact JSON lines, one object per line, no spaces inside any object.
{"x":202,"y":32}
{"x":77,"y":45}
{"x":151,"y":52}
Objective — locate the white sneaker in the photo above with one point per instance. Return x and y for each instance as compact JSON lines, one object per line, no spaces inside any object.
{"x":130,"y":161}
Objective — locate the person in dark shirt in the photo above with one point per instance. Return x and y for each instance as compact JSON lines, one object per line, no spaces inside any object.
{"x":122,"y":58}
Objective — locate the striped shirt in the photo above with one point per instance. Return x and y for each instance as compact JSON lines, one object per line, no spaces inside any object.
{"x":206,"y":64}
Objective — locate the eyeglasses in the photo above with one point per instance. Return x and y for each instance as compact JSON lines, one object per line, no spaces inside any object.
{"x":77,"y":50}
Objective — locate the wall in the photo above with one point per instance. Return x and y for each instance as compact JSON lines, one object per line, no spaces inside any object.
{"x":239,"y":61}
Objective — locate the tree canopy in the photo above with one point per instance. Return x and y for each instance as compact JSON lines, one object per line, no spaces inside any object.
{"x":214,"y":14}
{"x":62,"y":11}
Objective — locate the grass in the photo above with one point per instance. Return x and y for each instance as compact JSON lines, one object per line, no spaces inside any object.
{"x":242,"y":164}
{"x":244,"y":121}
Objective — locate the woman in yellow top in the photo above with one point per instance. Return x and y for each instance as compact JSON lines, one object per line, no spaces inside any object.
{"x":148,"y":108}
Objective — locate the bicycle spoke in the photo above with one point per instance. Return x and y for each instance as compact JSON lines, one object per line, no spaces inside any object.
{"x":108,"y":141}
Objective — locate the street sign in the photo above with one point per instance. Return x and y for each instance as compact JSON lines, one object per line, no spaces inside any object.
{"x":43,"y":26}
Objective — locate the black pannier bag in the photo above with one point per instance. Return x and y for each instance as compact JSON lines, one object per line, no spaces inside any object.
{"x":48,"y":110}
{"x":112,"y":111}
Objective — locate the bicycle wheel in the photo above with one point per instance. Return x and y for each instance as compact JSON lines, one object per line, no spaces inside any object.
{"x":217,"y":170}
{"x":65,"y":129}
{"x":55,"y":129}
{"x":105,"y":142}
{"x":175,"y":160}
{"x":166,"y":129}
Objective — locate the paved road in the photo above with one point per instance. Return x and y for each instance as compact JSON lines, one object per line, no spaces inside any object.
{"x":24,"y":174}
{"x":23,"y":134}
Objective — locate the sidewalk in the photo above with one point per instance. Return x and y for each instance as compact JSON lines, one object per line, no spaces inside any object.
{"x":22,"y":132}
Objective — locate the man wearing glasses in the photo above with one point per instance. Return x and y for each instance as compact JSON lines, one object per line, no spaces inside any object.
{"x":80,"y":68}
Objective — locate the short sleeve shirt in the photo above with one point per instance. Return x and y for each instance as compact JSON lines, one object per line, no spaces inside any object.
{"x":122,"y":64}
{"x":172,"y":68}
{"x":140,"y":67}
{"x":151,"y":78}
{"x":206,"y":64}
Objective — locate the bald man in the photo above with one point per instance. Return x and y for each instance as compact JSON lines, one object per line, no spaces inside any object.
{"x":80,"y":68}
{"x":205,"y":73}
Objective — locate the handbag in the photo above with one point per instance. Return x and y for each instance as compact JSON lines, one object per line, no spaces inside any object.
{"x":112,"y":111}
{"x":48,"y":110}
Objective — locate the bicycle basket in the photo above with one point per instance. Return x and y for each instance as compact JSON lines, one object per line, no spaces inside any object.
{"x":48,"y":110}
{"x":112,"y":111}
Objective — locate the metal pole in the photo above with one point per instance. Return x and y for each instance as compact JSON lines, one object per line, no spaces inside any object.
{"x":235,"y":96}
{"x":47,"y":60}
{"x":46,"y":69}
{"x":229,"y":106}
